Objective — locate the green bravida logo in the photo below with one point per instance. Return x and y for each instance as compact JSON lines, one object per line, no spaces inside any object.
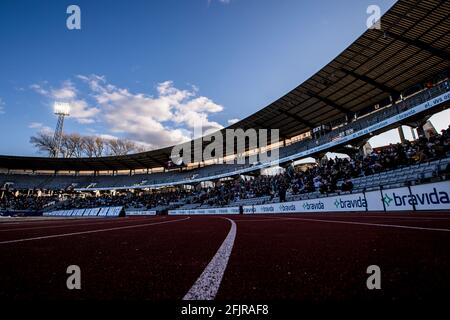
{"x":387,"y":200}
{"x":337,"y":203}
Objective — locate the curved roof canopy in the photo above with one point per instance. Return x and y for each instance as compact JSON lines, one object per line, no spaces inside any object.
{"x":412,"y":46}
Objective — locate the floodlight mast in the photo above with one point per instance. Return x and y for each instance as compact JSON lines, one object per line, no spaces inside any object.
{"x":61,"y":110}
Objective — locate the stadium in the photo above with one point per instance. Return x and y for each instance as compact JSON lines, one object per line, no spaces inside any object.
{"x":145,"y":227}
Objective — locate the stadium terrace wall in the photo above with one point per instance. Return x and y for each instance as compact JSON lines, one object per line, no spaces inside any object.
{"x":431,"y":196}
{"x":431,"y":103}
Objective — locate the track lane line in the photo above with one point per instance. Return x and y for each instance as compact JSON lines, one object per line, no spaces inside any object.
{"x":207,"y":285}
{"x":43,"y":220}
{"x":70,"y":225}
{"x":257,"y":220}
{"x":365,"y":224}
{"x":89,"y":231}
{"x":407,"y":218}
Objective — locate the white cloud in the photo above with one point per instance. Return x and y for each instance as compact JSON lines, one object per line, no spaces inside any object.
{"x":108,"y":137}
{"x":39,"y":89}
{"x":66,"y":92}
{"x":233,"y":121}
{"x":39,"y":126}
{"x":221,"y":1}
{"x":165,"y":119}
{"x":35,"y":125}
{"x":79,"y":108}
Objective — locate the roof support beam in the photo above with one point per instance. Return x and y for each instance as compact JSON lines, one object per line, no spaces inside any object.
{"x":330,"y":103}
{"x":158,"y":161}
{"x":139,"y":162}
{"x":297,"y":118}
{"x":260,"y":125}
{"x":374,"y":83}
{"x":420,"y":44}
{"x":82,"y":166}
{"x":105,"y":163}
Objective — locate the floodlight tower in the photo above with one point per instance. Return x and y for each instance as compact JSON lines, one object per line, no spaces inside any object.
{"x":62,"y":110}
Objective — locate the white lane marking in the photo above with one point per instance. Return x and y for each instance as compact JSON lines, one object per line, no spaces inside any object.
{"x":258,"y":220}
{"x":207,"y":285}
{"x":367,"y":224}
{"x":70,"y":225}
{"x":42,"y":220}
{"x":247,"y":218}
{"x":407,"y":218}
{"x":90,"y":231}
{"x":359,"y":215}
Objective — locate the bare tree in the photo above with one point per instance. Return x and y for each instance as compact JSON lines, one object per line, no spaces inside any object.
{"x":93,"y":146}
{"x":140,"y":148}
{"x":44,"y":142}
{"x":89,"y":146}
{"x":76,"y":146}
{"x":127,"y":146}
{"x":72,"y":146}
{"x":100,"y":147}
{"x":120,"y":147}
{"x":64,"y":147}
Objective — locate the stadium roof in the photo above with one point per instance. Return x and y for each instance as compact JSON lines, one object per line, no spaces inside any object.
{"x":411,"y":47}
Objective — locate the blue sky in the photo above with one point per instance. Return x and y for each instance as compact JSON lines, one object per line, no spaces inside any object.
{"x":146,"y":70}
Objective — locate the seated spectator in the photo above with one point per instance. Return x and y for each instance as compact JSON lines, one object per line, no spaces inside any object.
{"x":347,"y":185}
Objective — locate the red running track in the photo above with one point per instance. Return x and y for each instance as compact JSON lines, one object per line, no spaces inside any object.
{"x":313,"y":257}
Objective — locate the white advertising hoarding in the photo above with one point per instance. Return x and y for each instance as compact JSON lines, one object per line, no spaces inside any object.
{"x":114,"y":211}
{"x":431,"y":196}
{"x":374,"y":202}
{"x":140,"y":213}
{"x":225,"y":210}
{"x":344,"y":203}
{"x":94,"y":212}
{"x":397,"y":199}
{"x":105,"y":211}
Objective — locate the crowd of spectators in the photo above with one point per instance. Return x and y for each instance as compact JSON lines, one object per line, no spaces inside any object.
{"x":323,"y":177}
{"x":14,"y":200}
{"x":136,"y":200}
